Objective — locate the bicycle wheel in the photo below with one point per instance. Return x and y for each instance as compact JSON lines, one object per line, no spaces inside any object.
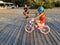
{"x":45,"y":29}
{"x":29,"y":29}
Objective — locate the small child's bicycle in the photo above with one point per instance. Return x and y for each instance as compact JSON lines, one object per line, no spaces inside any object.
{"x":30,"y":26}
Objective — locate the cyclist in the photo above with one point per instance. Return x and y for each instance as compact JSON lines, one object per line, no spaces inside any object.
{"x":40,"y":18}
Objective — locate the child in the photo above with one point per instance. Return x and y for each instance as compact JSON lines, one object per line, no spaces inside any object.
{"x":26,"y":12}
{"x":40,"y":17}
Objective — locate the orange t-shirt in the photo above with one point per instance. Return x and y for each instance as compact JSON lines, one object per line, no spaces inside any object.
{"x":42,"y":18}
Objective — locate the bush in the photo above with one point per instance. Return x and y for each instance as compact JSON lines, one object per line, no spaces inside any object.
{"x":33,"y":6}
{"x":45,"y":6}
{"x":48,"y":5}
{"x":57,"y":4}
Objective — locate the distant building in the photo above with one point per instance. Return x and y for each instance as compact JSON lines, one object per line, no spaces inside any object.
{"x":5,"y":4}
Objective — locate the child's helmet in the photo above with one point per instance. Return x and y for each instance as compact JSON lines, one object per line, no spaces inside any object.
{"x":40,"y":8}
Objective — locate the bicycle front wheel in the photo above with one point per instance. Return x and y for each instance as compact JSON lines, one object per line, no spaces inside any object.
{"x":45,"y":29}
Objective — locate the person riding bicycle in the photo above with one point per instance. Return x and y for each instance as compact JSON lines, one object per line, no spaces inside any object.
{"x":26,"y":12}
{"x":40,"y":18}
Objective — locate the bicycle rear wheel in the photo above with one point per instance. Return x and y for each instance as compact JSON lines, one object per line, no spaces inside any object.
{"x":29,"y":28}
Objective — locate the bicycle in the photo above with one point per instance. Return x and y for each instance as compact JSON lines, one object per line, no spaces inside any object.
{"x":30,"y":26}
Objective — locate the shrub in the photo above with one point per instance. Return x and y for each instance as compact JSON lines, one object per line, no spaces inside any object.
{"x":57,"y":4}
{"x":45,"y":6}
{"x":34,"y":6}
{"x":48,"y":5}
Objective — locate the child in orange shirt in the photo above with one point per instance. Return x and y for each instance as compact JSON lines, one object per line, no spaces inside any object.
{"x":40,"y":17}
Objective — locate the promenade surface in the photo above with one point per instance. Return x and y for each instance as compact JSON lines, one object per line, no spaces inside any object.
{"x":12,"y":32}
